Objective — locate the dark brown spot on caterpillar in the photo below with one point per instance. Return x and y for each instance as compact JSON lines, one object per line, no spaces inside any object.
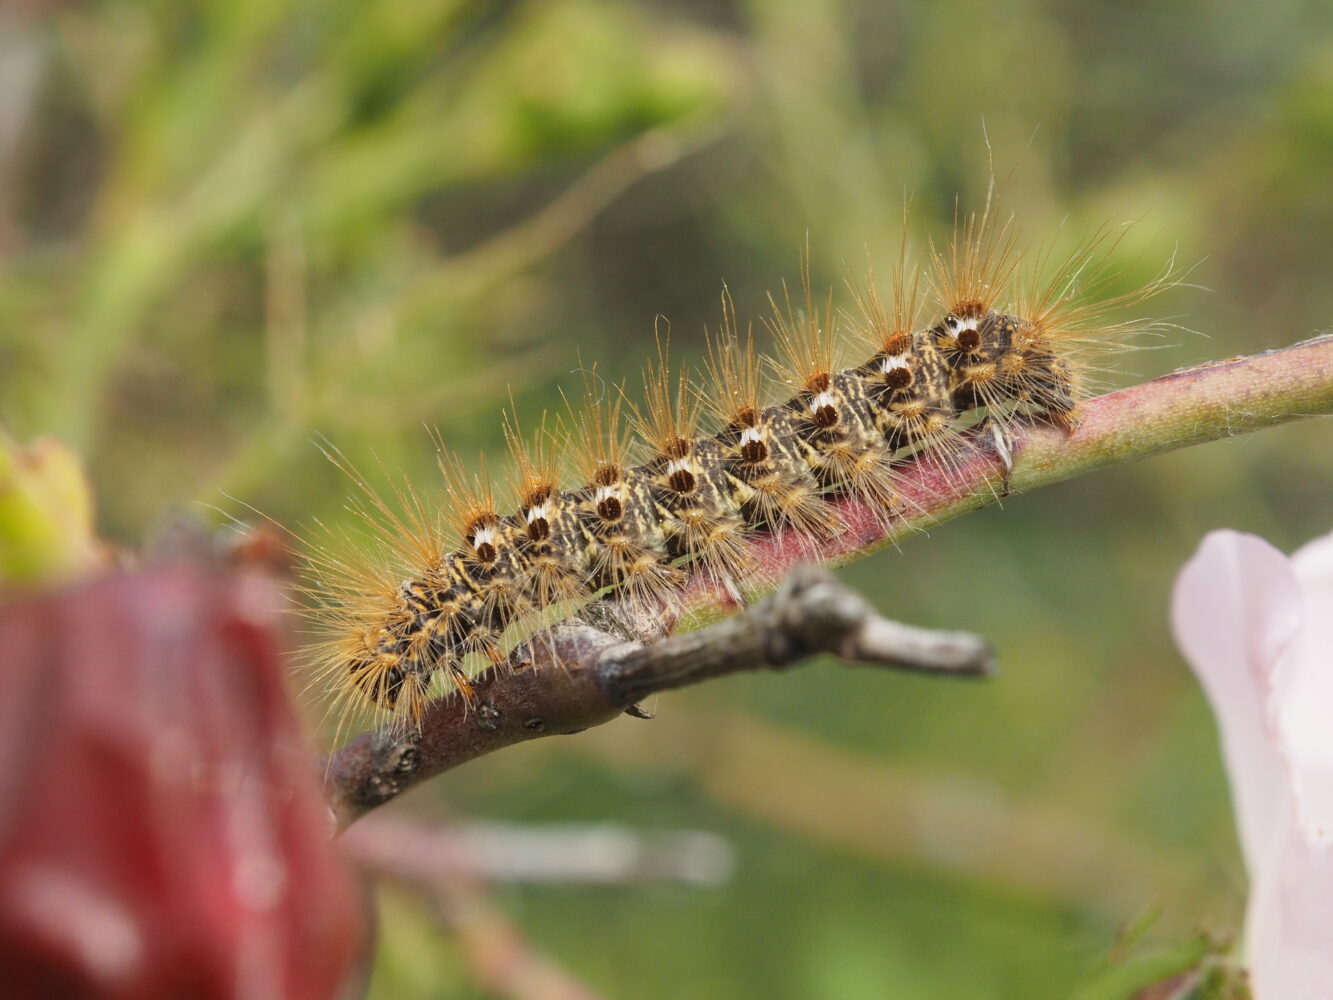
{"x":754,"y":451}
{"x":607,"y":474}
{"x":682,"y":481}
{"x":486,"y":552}
{"x":898,"y":378}
{"x":819,"y":382}
{"x":678,"y":448}
{"x":825,"y":416}
{"x":969,"y":341}
{"x":538,"y":529}
{"x":609,"y":509}
{"x":538,"y":495}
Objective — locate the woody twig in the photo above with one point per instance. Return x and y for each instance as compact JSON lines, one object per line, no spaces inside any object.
{"x":575,"y":676}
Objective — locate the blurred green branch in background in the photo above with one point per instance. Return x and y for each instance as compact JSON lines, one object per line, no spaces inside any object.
{"x":251,"y":259}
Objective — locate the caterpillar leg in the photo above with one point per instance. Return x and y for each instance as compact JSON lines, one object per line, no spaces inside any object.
{"x":462,"y":682}
{"x":733,"y":592}
{"x":1000,"y":441}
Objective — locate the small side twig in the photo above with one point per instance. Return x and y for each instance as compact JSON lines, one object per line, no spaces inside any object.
{"x":497,"y":955}
{"x":576,"y":676}
{"x":810,"y":613}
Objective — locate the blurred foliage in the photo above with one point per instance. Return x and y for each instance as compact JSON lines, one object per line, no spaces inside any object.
{"x":1199,"y":968}
{"x":227,"y":226}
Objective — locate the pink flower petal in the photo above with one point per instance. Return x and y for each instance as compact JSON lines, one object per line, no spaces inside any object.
{"x":1305,"y":693}
{"x":1289,"y":924}
{"x":1235,"y":608}
{"x":1258,"y":630}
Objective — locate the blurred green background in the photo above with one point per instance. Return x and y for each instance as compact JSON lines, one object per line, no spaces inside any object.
{"x":227,"y":226}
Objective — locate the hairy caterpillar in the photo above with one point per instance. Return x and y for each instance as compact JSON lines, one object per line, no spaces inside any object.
{"x":656,"y":494}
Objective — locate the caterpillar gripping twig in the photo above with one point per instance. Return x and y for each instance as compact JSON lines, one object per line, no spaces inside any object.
{"x":1014,"y":350}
